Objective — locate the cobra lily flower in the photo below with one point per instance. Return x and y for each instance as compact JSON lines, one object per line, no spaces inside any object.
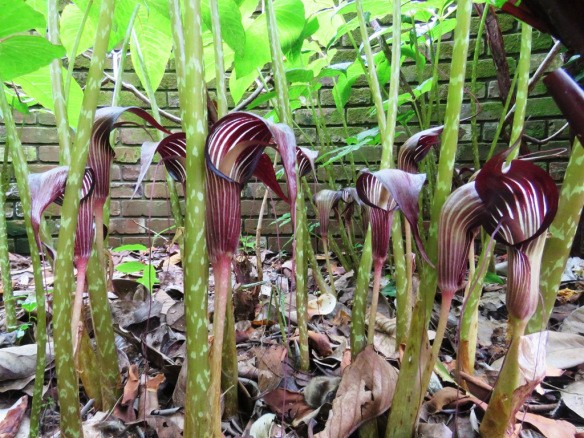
{"x":234,"y":153}
{"x":327,"y":201}
{"x":384,"y":192}
{"x":48,"y":187}
{"x":514,"y":203}
{"x":417,"y":147}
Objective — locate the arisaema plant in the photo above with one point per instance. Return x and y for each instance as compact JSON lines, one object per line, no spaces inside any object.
{"x":515,"y":203}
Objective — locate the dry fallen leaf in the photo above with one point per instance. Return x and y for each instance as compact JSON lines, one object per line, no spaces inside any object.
{"x":320,"y":342}
{"x":289,"y":404}
{"x":17,"y":362}
{"x":564,"y":350}
{"x":322,"y":305}
{"x":125,"y":410}
{"x":270,"y":367}
{"x":573,"y":398}
{"x":443,"y":397}
{"x":10,"y":425}
{"x":366,"y":391}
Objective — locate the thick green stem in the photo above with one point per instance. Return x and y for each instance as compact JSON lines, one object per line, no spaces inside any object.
{"x":109,"y":373}
{"x":358,"y":333}
{"x":404,"y":296}
{"x":7,"y":292}
{"x":57,"y":85}
{"x":316,"y":274}
{"x":498,"y":421}
{"x":329,"y":267}
{"x":171,"y":184}
{"x":473,"y":88}
{"x":561,"y":235}
{"x":219,"y":62}
{"x":522,"y":88}
{"x":21,"y":174}
{"x":71,"y":56}
{"x":66,"y":376}
{"x":188,"y":50}
{"x":301,"y":292}
{"x":402,"y":420}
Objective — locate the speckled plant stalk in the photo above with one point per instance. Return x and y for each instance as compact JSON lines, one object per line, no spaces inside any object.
{"x":358,"y":332}
{"x":229,"y":375}
{"x":403,"y":416}
{"x":171,"y":183}
{"x":522,"y":88}
{"x":188,"y":48}
{"x":71,"y":57}
{"x":109,"y":373}
{"x":7,"y":293}
{"x":473,"y":87}
{"x":67,"y":385}
{"x":286,"y":117}
{"x":561,"y":235}
{"x":57,"y":86}
{"x":21,"y":174}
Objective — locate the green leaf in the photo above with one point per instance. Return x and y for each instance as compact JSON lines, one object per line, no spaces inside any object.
{"x":232,"y":31}
{"x":390,"y":289}
{"x":17,"y":16}
{"x":149,"y":278}
{"x":22,"y":54}
{"x":37,"y":85}
{"x":130,"y":247}
{"x":491,"y":277}
{"x":71,"y":19}
{"x":131,"y":267}
{"x":291,"y":22}
{"x":155,"y":43}
{"x":238,"y":87}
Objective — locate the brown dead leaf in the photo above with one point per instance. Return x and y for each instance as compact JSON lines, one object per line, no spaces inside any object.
{"x":17,"y":362}
{"x":286,"y":403}
{"x":320,"y":342}
{"x":11,"y":424}
{"x":125,"y":410}
{"x":366,"y":391}
{"x":443,"y":397}
{"x":270,"y":367}
{"x":548,"y":427}
{"x":322,"y":305}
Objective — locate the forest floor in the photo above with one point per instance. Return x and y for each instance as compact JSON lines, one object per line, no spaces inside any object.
{"x":275,"y":398}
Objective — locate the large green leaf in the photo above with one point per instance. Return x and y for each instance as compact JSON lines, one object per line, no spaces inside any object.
{"x":291,"y":21}
{"x":238,"y":86}
{"x":71,"y":19}
{"x":37,"y":85}
{"x":16,"y":16}
{"x":155,"y":43}
{"x":232,"y":30}
{"x":22,"y":54}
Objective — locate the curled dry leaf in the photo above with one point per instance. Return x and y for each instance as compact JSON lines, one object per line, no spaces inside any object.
{"x":262,"y":427}
{"x":442,"y":398}
{"x":10,"y":425}
{"x":366,"y":391}
{"x":270,"y":367}
{"x":573,"y":398}
{"x":17,"y":362}
{"x":125,"y":410}
{"x":322,"y":305}
{"x":289,"y":404}
{"x":320,"y":342}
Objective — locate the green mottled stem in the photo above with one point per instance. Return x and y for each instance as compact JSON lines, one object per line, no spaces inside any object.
{"x":123,"y":54}
{"x":71,"y":57}
{"x":219,"y":62}
{"x":21,"y":174}
{"x":285,"y":113}
{"x":377,"y":268}
{"x":470,"y":318}
{"x":188,"y":49}
{"x":358,"y":334}
{"x":473,"y":87}
{"x":258,"y":248}
{"x":171,"y":184}
{"x":561,"y":235}
{"x":301,"y":292}
{"x":403,"y":417}
{"x":522,"y":88}
{"x":316,"y":274}
{"x":8,"y":297}
{"x":372,"y":73}
{"x":78,"y":306}
{"x":329,"y":267}
{"x":498,"y":421}
{"x":67,"y":383}
{"x":404,"y":296}
{"x":347,"y":244}
{"x":222,"y":274}
{"x":57,"y":84}
{"x":109,"y":374}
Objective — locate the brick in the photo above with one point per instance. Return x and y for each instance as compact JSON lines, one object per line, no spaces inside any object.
{"x":127,"y":154}
{"x":126,"y":226}
{"x":38,"y":135}
{"x":133,"y":208}
{"x":557,"y":170}
{"x":123,"y":190}
{"x":49,"y":154}
{"x":30,"y":152}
